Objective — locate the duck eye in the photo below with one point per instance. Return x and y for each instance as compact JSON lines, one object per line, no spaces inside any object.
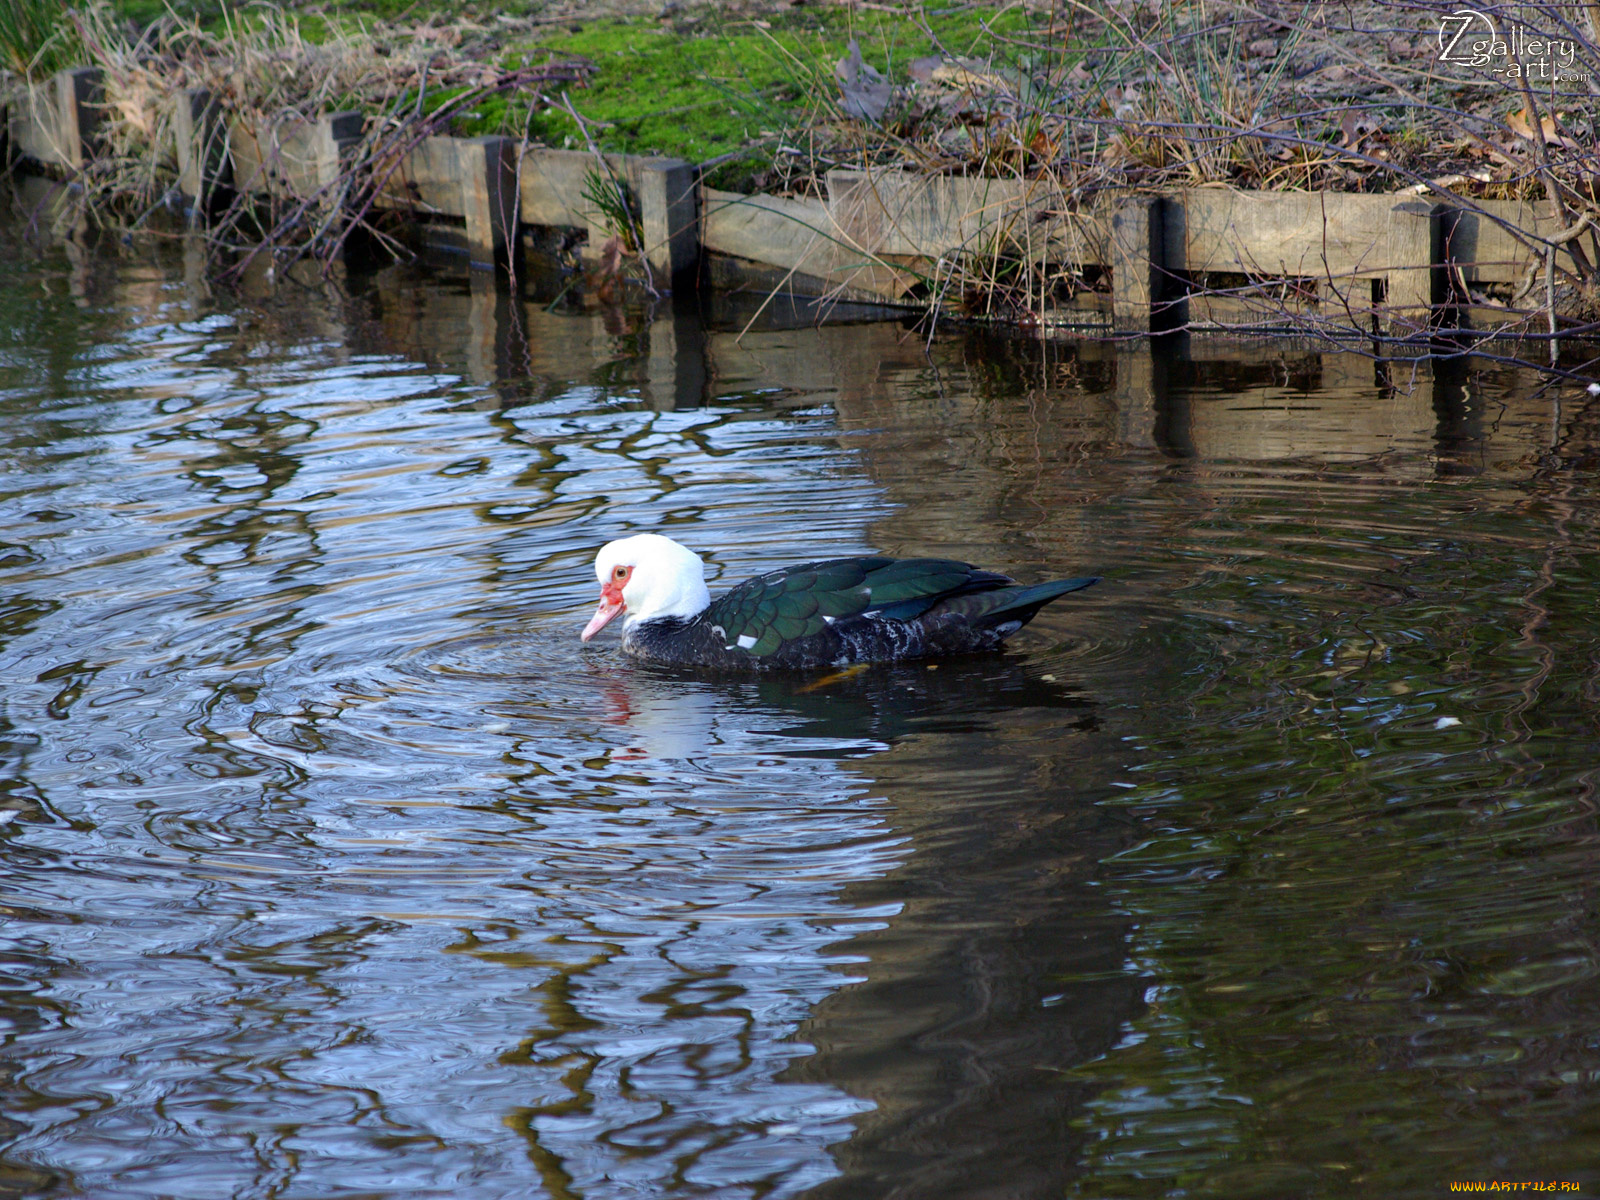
{"x":620,"y":572}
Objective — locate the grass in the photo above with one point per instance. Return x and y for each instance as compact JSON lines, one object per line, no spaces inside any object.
{"x":36,"y":39}
{"x":741,"y":84}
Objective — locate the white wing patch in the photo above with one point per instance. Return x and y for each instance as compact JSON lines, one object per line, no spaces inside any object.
{"x":746,"y":641}
{"x":827,"y":620}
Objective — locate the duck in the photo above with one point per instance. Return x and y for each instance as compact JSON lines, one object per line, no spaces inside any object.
{"x":838,"y":612}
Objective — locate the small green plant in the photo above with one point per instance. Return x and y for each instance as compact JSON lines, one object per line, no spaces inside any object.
{"x":37,"y":37}
{"x":609,"y":196}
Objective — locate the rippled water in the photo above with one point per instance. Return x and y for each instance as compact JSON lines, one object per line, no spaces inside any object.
{"x":334,"y":865}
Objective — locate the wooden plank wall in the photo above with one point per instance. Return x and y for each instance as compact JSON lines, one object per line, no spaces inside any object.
{"x":881,"y":236}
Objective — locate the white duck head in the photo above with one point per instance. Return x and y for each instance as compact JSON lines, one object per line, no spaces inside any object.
{"x":647,"y":576}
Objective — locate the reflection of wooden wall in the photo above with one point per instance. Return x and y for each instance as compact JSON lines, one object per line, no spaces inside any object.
{"x":1329,"y":407}
{"x":972,"y":439}
{"x":881,"y":234}
{"x":497,"y":339}
{"x":990,"y":421}
{"x":977,"y":433}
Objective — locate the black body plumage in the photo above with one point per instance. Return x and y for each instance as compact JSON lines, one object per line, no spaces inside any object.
{"x":848,"y":610}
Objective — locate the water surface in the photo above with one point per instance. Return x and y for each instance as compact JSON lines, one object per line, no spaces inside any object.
{"x":336,"y":866}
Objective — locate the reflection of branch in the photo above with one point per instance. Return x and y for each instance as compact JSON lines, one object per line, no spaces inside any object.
{"x":1539,"y":615}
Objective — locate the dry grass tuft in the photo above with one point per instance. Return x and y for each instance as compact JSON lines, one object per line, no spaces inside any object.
{"x":411,"y":82}
{"x":1130,"y":94}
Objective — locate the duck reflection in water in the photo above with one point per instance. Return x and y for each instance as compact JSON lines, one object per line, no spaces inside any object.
{"x":673,"y":713}
{"x":998,"y":966}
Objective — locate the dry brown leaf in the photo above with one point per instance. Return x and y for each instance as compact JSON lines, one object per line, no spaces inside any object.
{"x":1355,"y":128}
{"x":1523,"y":128}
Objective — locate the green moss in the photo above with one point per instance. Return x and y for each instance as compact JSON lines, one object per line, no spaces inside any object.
{"x":697,"y":94}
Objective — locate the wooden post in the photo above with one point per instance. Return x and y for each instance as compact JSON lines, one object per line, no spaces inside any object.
{"x":333,"y":139}
{"x":203,"y":164}
{"x":1138,"y":267}
{"x":336,"y":136}
{"x":292,"y":157}
{"x":34,"y":124}
{"x":488,"y":168}
{"x":1414,"y":271}
{"x":669,"y":222}
{"x":79,"y":98}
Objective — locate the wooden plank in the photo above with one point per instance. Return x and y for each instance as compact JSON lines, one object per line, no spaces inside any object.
{"x":1414,"y":280}
{"x":1483,"y":251}
{"x":896,"y":212}
{"x":80,"y":101}
{"x":552,"y":183}
{"x":201,"y":135}
{"x":427,"y":179}
{"x":798,"y":236}
{"x":338,"y":135}
{"x":291,"y":155}
{"x":247,"y":153}
{"x":436,"y":179}
{"x":57,"y":123}
{"x":1279,"y":234}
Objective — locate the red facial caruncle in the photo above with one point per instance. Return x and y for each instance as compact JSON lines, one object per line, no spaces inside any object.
{"x":611,"y":601}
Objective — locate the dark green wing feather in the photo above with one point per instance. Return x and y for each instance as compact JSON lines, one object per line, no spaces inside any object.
{"x":1014,"y":603}
{"x":763,"y":613}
